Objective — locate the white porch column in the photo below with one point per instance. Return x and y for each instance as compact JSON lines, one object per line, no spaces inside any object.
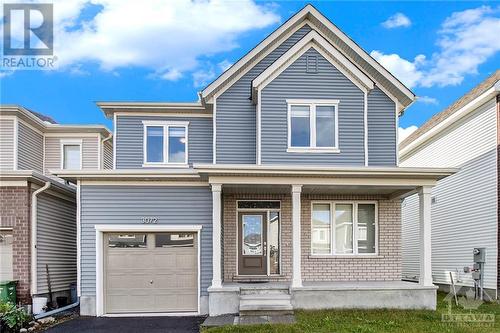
{"x":424,"y":195}
{"x":216,"y":236}
{"x":296,"y":254}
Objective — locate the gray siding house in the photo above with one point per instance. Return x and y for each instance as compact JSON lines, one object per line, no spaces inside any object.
{"x":465,"y":212}
{"x":278,"y":190}
{"x":38,"y":210}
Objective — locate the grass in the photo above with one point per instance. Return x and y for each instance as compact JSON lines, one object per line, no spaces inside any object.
{"x":373,"y":321}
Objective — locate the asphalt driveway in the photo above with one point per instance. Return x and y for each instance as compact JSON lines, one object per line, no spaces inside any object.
{"x":129,"y":325}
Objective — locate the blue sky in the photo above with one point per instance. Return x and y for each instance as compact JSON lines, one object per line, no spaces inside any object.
{"x":116,"y":50}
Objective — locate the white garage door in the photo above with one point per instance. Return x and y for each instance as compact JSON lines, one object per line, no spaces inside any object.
{"x":6,"y":240}
{"x":146,"y":272}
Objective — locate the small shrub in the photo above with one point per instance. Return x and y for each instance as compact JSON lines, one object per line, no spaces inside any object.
{"x":13,"y":317}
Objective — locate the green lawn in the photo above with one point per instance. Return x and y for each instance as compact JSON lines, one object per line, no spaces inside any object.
{"x":341,"y":321}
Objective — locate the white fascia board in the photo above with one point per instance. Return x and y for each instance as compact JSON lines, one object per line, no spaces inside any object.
{"x":320,"y":44}
{"x":465,"y":110}
{"x":255,"y":51}
{"x":369,"y":59}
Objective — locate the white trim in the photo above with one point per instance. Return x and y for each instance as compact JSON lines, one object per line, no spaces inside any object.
{"x":34,"y":237}
{"x":114,"y":140}
{"x":216,"y":236}
{"x":78,"y":239}
{"x":152,"y":314}
{"x":100,"y":229}
{"x":274,"y":37}
{"x":43,"y":154}
{"x":14,"y":183}
{"x":462,"y":112}
{"x":397,"y":135}
{"x":162,"y":113}
{"x":165,"y":125}
{"x":312,"y":104}
{"x":425,"y":233}
{"x":300,"y":19}
{"x":259,"y":127}
{"x":72,"y":135}
{"x":314,"y":40}
{"x":296,"y":236}
{"x":365,"y":120}
{"x":143,"y":183}
{"x":70,"y":142}
{"x":214,"y":132}
{"x":355,"y":203}
{"x":15,"y":148}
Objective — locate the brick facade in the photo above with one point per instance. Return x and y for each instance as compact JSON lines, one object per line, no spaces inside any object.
{"x":15,"y":214}
{"x":385,"y":266}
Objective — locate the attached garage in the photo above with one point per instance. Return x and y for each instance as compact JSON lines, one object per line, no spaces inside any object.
{"x":150,"y":272}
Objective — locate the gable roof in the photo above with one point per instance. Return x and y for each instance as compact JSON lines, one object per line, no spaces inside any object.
{"x":314,"y":40}
{"x":458,"y":105}
{"x":339,"y":39}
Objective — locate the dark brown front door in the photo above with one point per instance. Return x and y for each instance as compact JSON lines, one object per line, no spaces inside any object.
{"x":252,"y":243}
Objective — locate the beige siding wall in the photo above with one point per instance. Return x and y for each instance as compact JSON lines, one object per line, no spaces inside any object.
{"x":385,"y":266}
{"x":90,"y":152}
{"x":6,"y":144}
{"x":29,"y":148}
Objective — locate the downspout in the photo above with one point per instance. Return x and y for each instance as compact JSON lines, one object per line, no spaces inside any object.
{"x":34,"y":277}
{"x":102,"y":149}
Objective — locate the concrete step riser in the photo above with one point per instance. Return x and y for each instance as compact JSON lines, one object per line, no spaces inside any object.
{"x":266,"y":313}
{"x":264,"y":291}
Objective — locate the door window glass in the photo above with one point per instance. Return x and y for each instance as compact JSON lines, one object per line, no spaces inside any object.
{"x":274,"y":242}
{"x":127,"y":240}
{"x":252,"y":235}
{"x":174,"y":239}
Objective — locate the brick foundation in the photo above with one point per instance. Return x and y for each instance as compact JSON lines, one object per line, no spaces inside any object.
{"x":15,"y":214}
{"x":385,"y":266}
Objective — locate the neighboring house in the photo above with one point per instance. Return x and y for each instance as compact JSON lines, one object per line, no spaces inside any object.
{"x":465,"y":206}
{"x":37,"y":209}
{"x":297,"y":138}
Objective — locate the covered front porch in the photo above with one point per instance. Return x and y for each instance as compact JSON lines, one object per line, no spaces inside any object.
{"x":314,"y":238}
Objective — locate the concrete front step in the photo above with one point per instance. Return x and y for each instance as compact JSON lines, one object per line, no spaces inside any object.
{"x":263,"y":291}
{"x":259,"y":304}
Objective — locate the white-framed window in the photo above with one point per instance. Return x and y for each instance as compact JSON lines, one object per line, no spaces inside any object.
{"x":71,"y":154}
{"x":313,"y":126}
{"x":165,"y":143}
{"x":344,"y":228}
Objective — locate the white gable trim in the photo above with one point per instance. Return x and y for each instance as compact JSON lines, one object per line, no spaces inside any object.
{"x":320,"y":44}
{"x":285,"y":31}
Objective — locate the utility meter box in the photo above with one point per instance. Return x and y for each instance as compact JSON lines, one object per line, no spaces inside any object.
{"x":479,"y":254}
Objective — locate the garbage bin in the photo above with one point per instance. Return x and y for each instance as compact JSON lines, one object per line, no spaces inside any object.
{"x":8,"y":291}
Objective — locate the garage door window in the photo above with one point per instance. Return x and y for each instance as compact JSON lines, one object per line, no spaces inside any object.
{"x":174,"y":239}
{"x":127,"y":241}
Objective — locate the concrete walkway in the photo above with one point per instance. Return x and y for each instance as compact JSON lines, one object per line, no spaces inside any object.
{"x":247,"y":320}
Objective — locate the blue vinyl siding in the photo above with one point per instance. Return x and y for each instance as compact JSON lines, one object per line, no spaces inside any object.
{"x":327,"y":83}
{"x":129,"y":139}
{"x":236,"y":121}
{"x":382,"y":141}
{"x":128,"y":204}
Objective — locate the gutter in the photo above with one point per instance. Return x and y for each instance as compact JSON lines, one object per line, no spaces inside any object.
{"x":34,"y":277}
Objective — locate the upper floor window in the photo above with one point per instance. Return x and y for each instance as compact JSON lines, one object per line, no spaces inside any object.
{"x":313,"y":125}
{"x":71,"y":154}
{"x":344,"y":228}
{"x":165,"y":143}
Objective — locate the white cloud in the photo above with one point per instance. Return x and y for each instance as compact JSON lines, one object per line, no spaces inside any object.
{"x":427,"y":100}
{"x":465,"y":40}
{"x":403,"y":133}
{"x":166,"y":36}
{"x":396,"y":21}
{"x":203,"y":77}
{"x":404,"y":70}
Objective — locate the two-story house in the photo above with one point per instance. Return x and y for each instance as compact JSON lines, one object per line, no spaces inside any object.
{"x":38,"y":210}
{"x":278,"y":190}
{"x":465,"y":206}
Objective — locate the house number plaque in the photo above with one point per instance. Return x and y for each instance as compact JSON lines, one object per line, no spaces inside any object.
{"x":149,"y":220}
